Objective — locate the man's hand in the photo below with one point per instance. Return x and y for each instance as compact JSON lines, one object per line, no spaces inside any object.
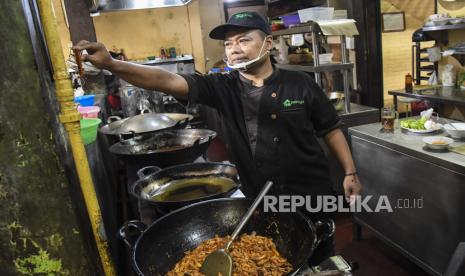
{"x":97,"y":54}
{"x":147,"y":77}
{"x":339,"y":147}
{"x":352,"y":187}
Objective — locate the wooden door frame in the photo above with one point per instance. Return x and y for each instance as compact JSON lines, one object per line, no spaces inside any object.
{"x":368,"y":48}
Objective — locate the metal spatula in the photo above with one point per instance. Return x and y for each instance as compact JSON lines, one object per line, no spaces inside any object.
{"x":219,"y":261}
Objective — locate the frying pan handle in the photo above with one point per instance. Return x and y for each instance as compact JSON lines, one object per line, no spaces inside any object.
{"x":112,"y":119}
{"x":130,"y":134}
{"x":130,"y":231}
{"x":248,"y":214}
{"x":324,"y":229}
{"x":202,"y":140}
{"x":142,"y":173}
{"x":182,"y":122}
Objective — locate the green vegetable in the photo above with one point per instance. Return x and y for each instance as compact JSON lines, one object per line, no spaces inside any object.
{"x":414,"y":123}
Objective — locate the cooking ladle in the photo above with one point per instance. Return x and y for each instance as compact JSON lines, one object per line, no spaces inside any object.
{"x":220,"y":261}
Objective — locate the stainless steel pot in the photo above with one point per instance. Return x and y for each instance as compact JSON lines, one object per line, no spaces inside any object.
{"x":337,"y":99}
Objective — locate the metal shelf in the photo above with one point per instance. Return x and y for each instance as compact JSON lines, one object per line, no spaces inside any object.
{"x":302,"y":28}
{"x":345,"y":66}
{"x":318,"y":69}
{"x":427,"y":68}
{"x":443,"y":28}
{"x":459,"y":52}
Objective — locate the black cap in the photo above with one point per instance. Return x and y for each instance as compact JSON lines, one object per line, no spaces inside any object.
{"x":242,"y":20}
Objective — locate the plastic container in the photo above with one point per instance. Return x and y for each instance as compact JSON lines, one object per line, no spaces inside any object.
{"x":325,"y":58}
{"x":89,"y":111}
{"x":86,"y":100}
{"x":215,"y":70}
{"x":89,"y":130}
{"x":292,"y":19}
{"x":316,"y":14}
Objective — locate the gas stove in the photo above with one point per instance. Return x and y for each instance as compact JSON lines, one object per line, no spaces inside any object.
{"x":333,"y":266}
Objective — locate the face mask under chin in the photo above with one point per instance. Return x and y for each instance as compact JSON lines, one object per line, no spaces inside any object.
{"x":244,"y":66}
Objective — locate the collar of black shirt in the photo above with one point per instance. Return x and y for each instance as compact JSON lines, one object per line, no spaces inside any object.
{"x":267,"y":81}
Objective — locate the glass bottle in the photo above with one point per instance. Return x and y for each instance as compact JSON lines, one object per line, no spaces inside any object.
{"x":408,"y":83}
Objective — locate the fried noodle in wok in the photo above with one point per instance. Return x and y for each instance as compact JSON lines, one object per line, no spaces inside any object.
{"x":251,"y":254}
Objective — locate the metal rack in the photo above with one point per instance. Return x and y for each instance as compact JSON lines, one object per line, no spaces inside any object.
{"x":420,"y":60}
{"x":345,"y":66}
{"x":443,"y":27}
{"x":441,"y":35}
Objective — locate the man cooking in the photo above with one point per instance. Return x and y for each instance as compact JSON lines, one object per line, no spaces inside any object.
{"x":272,"y":117}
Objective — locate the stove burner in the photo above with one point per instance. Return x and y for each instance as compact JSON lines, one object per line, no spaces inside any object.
{"x":333,"y":266}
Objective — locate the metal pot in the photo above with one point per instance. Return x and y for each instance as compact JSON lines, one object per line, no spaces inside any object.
{"x":159,"y":247}
{"x":177,"y":186}
{"x":164,"y":148}
{"x":337,"y":99}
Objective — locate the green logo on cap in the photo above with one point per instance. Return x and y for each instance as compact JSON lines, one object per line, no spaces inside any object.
{"x":243,"y":15}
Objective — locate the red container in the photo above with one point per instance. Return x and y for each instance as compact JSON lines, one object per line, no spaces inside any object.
{"x":115,"y":102}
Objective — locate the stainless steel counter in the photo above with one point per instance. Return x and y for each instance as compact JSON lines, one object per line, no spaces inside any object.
{"x":447,"y":95}
{"x":180,"y":65}
{"x":357,"y":110}
{"x":413,"y":145}
{"x":158,"y":61}
{"x":399,"y":167}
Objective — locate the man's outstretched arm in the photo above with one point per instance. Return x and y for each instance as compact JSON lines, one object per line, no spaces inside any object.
{"x":147,"y":77}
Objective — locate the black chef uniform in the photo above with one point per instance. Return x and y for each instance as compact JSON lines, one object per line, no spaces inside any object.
{"x":291,"y":112}
{"x":273,"y":136}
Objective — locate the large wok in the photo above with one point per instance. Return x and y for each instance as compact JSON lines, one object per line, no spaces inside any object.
{"x":165,"y":148}
{"x":159,"y":247}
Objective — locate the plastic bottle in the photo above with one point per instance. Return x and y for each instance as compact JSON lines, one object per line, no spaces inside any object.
{"x":162,"y":53}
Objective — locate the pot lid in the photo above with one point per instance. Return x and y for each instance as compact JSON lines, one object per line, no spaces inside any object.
{"x":139,"y":124}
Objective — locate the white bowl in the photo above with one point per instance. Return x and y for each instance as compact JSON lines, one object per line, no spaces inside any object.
{"x":456,"y":20}
{"x":429,"y":24}
{"x":437,"y":142}
{"x":457,"y":130}
{"x":440,"y":22}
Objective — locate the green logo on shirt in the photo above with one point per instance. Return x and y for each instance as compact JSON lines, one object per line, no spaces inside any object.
{"x":289,"y":103}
